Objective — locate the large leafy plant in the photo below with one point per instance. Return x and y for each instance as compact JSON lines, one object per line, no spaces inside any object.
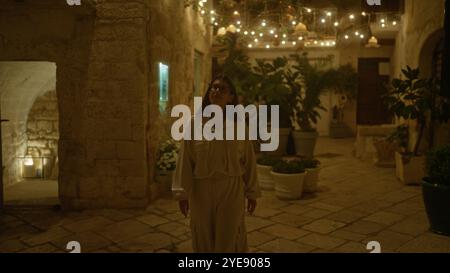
{"x":309,"y":83}
{"x":272,"y":89}
{"x":438,"y":165}
{"x":418,"y":99}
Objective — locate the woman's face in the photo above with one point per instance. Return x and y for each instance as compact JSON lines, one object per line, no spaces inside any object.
{"x":220,"y":94}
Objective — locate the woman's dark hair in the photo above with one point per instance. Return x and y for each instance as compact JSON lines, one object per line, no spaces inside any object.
{"x":229,"y":83}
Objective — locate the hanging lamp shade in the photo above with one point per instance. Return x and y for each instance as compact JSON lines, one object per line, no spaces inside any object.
{"x":300,"y":28}
{"x":373,"y":42}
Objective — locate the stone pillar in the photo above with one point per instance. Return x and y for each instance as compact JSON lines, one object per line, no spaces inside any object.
{"x":446,"y":58}
{"x":103,"y":147}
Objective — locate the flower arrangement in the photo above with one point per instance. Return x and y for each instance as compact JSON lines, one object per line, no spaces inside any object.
{"x":168,"y":155}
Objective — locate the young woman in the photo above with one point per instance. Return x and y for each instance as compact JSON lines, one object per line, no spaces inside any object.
{"x":212,"y":181}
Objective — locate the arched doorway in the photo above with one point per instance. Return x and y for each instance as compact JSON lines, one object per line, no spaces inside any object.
{"x":30,"y":137}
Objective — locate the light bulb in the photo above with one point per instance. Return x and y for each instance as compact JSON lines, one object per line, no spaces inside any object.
{"x":383,"y":25}
{"x":294,"y":42}
{"x":346,"y":37}
{"x":382,"y":20}
{"x":263,"y":24}
{"x":250,"y":45}
{"x":329,"y":14}
{"x":283,"y":42}
{"x":363,"y":13}
{"x":300,"y":38}
{"x":253,"y":33}
{"x":323,"y":20}
{"x":238,"y":22}
{"x":212,"y":12}
{"x":245,"y":32}
{"x":336,"y":24}
{"x":284,"y":35}
{"x":394,"y":23}
{"x":256,"y":40}
{"x":267,"y":46}
{"x":362,"y":36}
{"x":351,"y":17}
{"x":356,"y":33}
{"x":272,"y":31}
{"x":261,"y":35}
{"x":236,"y":12}
{"x":309,"y":10}
{"x":294,"y":23}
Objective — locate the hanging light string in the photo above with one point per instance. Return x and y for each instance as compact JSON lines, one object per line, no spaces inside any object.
{"x":314,"y":27}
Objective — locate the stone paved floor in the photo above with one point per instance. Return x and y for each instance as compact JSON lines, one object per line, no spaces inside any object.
{"x":357,"y":203}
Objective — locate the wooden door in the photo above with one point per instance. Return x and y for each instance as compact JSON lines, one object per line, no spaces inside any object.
{"x":372,"y":86}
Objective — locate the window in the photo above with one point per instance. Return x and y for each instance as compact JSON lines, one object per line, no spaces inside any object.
{"x":163,"y":86}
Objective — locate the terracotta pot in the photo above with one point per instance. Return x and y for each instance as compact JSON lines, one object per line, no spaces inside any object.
{"x":265,"y":178}
{"x":289,"y":186}
{"x":311,"y":180}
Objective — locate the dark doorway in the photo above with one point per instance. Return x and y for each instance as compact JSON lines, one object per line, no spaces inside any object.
{"x":373,"y":82}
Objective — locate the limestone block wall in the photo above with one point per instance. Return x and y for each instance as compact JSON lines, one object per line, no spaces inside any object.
{"x":174,"y":34}
{"x":43,"y":131}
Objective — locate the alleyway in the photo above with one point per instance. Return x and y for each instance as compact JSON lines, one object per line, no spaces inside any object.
{"x":357,"y":203}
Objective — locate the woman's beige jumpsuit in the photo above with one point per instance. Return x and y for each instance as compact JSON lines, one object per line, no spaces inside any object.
{"x":216,"y":177}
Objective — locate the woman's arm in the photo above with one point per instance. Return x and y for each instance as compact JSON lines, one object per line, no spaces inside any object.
{"x":252,"y":190}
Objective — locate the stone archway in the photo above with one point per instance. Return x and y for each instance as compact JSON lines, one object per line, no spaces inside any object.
{"x":427,"y":53}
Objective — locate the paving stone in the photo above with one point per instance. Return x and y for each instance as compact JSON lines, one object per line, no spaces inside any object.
{"x":11,"y":246}
{"x":124,"y":230}
{"x":46,"y":236}
{"x":296,"y":209}
{"x":351,"y":247}
{"x":413,"y":225}
{"x":152,"y":220}
{"x":384,"y":218}
{"x":95,"y":222}
{"x":347,"y":235}
{"x":45,"y":248}
{"x":89,"y":241}
{"x":292,"y":219}
{"x":320,"y":205}
{"x":364,"y":227}
{"x":323,"y":226}
{"x":345,"y":216}
{"x":253,"y":223}
{"x":257,"y":238}
{"x":321,"y":241}
{"x":397,"y":196}
{"x":316,"y":213}
{"x":389,"y":240}
{"x":427,"y":243}
{"x":184,"y":247}
{"x":285,"y":246}
{"x":286,"y":232}
{"x":148,"y":243}
{"x":264,"y":212}
{"x":173,"y":228}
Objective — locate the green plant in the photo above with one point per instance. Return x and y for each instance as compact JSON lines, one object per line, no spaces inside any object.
{"x":400,"y":136}
{"x":314,"y":81}
{"x":232,"y":61}
{"x":271,"y":87}
{"x":418,"y":99}
{"x":266,"y":160}
{"x":438,"y":165}
{"x":310,"y":163}
{"x":289,"y":167}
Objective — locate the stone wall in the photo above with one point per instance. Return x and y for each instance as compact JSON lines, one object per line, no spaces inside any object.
{"x":43,"y":131}
{"x":174,"y":34}
{"x":421,"y":21}
{"x":107,"y":52}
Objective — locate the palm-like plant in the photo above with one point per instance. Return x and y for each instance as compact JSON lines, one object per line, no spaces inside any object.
{"x":307,"y":103}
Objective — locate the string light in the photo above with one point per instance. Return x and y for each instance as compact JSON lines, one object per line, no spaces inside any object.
{"x":394,"y":23}
{"x":351,"y":17}
{"x":346,"y":37}
{"x":250,"y":45}
{"x":329,"y":14}
{"x":309,"y":10}
{"x":323,"y":20}
{"x":336,"y":24}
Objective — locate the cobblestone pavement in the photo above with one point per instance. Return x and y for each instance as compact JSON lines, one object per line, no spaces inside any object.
{"x":357,"y":203}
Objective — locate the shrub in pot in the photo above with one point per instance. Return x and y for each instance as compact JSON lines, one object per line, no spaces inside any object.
{"x":264,"y":167}
{"x":312,"y":175}
{"x":436,"y":189}
{"x":422,"y":101}
{"x":289,"y":178}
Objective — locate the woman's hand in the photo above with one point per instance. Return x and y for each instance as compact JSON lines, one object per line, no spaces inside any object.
{"x":251,"y":205}
{"x":184,"y":207}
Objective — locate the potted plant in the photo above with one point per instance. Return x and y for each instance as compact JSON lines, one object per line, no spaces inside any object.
{"x":436,"y":189}
{"x":312,"y":175}
{"x":416,"y":100}
{"x":307,"y":103}
{"x":289,"y":178}
{"x":166,"y":163}
{"x":272,"y":89}
{"x":264,"y":167}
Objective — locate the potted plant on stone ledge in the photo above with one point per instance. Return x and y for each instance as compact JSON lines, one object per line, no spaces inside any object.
{"x":417,"y":101}
{"x":436,"y":189}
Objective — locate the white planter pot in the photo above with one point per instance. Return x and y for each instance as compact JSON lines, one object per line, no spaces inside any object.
{"x":305,"y":143}
{"x":410,"y":173}
{"x":289,"y":186}
{"x":265,"y":178}
{"x":311,"y":180}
